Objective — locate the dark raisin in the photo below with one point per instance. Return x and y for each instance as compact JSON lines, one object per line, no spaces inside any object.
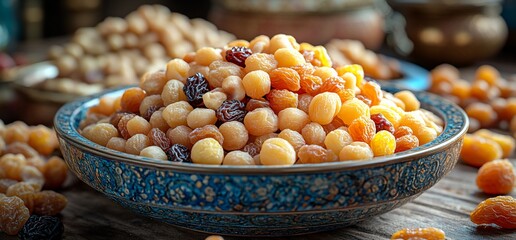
{"x":252,"y":148}
{"x":238,"y":55}
{"x":178,"y":153}
{"x":231,"y":110}
{"x":150,"y":111}
{"x":115,"y":118}
{"x":42,"y":227}
{"x":159,"y":138}
{"x":382,"y":123}
{"x":195,"y":87}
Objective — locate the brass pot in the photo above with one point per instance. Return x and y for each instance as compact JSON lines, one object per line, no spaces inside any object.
{"x":458,"y":32}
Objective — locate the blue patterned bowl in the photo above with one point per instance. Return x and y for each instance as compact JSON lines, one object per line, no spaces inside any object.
{"x":261,"y":200}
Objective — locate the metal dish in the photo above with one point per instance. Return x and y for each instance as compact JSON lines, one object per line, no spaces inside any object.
{"x":261,"y":200}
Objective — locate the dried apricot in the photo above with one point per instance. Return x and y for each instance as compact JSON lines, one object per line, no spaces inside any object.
{"x":499,"y":210}
{"x":477,"y":150}
{"x":496,"y":177}
{"x":429,"y":233}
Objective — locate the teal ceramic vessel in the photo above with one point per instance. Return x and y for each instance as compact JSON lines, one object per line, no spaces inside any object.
{"x":261,"y":200}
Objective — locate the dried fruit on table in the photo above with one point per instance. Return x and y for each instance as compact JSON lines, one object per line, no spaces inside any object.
{"x":42,"y":139}
{"x":499,"y":210}
{"x":25,"y":191}
{"x":13,"y":215}
{"x":195,"y":87}
{"x":477,"y":150}
{"x":12,"y":164}
{"x":238,"y":55}
{"x":42,"y":227}
{"x":49,"y":203}
{"x":507,"y":143}
{"x":429,"y":233}
{"x":55,"y":172}
{"x":5,"y":184}
{"x":496,"y":177}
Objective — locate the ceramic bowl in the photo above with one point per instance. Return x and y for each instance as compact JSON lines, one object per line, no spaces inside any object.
{"x":261,"y":200}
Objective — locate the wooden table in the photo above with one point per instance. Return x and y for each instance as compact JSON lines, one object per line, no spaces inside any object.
{"x":89,"y":215}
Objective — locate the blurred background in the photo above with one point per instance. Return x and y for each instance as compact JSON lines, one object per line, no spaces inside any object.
{"x":75,"y":47}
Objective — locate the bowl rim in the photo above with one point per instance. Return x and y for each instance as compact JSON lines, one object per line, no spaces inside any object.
{"x":66,"y":130}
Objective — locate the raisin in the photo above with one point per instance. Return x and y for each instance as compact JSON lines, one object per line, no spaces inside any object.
{"x":372,"y":91}
{"x":21,"y":148}
{"x":238,"y":55}
{"x":25,"y":191}
{"x":55,"y":172}
{"x":115,"y":118}
{"x":5,"y":184}
{"x":364,"y":99}
{"x":255,"y":103}
{"x":337,"y":85}
{"x":42,"y":227}
{"x":49,"y":203}
{"x":122,"y":125}
{"x":499,"y":210}
{"x":178,"y":153}
{"x":148,"y":113}
{"x":252,"y":148}
{"x":406,"y":142}
{"x":159,"y":138}
{"x":13,"y":215}
{"x":231,"y":110}
{"x":310,"y":84}
{"x":315,"y":154}
{"x":402,"y":131}
{"x":285,"y":78}
{"x":496,"y":177}
{"x":131,"y":99}
{"x":195,"y":87}
{"x":382,"y":123}
{"x":362,"y":129}
{"x":281,"y":99}
{"x":419,"y":233}
{"x":208,"y":131}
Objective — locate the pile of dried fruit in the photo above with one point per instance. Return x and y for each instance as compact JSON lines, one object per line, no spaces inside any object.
{"x":489,"y":100}
{"x":269,"y":101}
{"x":344,"y":52}
{"x":120,"y":50}
{"x":26,"y":168}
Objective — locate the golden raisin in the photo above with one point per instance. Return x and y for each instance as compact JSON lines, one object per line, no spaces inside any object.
{"x":353,"y":109}
{"x":483,"y":112}
{"x":383,"y":143}
{"x":13,"y":215}
{"x":496,"y":177}
{"x":42,"y":139}
{"x":310,"y":84}
{"x":337,"y":85}
{"x":362,"y":129}
{"x":406,"y":142}
{"x":55,"y":173}
{"x":285,"y":78}
{"x":208,"y":131}
{"x":507,"y":143}
{"x":281,"y":99}
{"x":315,"y":154}
{"x":372,"y":91}
{"x":49,"y":203}
{"x":429,"y":233}
{"x":499,"y":210}
{"x":131,"y":99}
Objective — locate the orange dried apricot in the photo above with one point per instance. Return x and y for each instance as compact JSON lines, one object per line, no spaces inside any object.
{"x":429,"y":233}
{"x":507,"y":143}
{"x":477,"y":150}
{"x":496,"y":177}
{"x":499,"y":210}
